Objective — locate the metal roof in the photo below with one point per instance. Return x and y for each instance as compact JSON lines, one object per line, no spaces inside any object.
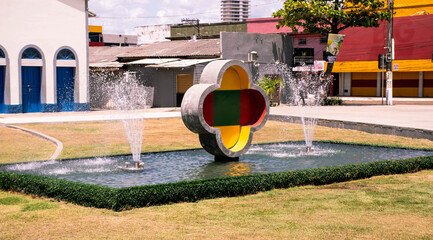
{"x":149,"y":61}
{"x":209,"y":48}
{"x":181,"y":63}
{"x":107,"y":53}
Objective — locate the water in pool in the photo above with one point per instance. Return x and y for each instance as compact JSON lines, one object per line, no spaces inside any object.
{"x":178,"y":166}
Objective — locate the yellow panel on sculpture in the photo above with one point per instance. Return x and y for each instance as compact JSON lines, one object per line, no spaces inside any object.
{"x":230,"y":135}
{"x":243,"y":139}
{"x":231,"y":80}
{"x":243,"y":76}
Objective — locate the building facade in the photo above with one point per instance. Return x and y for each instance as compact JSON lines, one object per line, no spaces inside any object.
{"x":356,"y":71}
{"x":43,"y":57}
{"x":234,"y":10}
{"x":166,"y":69}
{"x":152,"y":33}
{"x":95,"y":36}
{"x":358,"y":66}
{"x":207,"y":30}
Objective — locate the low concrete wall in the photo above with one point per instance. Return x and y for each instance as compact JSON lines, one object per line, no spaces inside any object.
{"x":364,"y":127}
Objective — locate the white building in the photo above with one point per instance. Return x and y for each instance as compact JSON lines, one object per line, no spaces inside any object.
{"x":153,"y":33}
{"x":43,"y":56}
{"x":234,"y":10}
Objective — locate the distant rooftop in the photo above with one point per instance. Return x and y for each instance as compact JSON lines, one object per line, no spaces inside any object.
{"x":202,"y":48}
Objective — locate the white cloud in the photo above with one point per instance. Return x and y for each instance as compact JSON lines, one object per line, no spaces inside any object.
{"x":264,"y":8}
{"x":121,"y":16}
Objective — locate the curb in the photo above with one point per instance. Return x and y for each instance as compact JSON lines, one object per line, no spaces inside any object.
{"x":363,"y":127}
{"x":46,"y":137}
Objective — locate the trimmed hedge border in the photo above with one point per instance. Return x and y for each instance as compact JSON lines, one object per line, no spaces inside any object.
{"x":189,"y":191}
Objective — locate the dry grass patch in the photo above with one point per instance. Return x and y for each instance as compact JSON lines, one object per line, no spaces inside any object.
{"x":19,"y":146}
{"x":85,"y":139}
{"x":390,"y":207}
{"x":108,"y":138}
{"x":387,"y":207}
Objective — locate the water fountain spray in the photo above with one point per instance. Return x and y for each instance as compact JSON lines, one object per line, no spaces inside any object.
{"x":306,"y":89}
{"x":129,"y":96}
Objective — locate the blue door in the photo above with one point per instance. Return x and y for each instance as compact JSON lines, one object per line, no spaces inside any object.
{"x":65,"y":88}
{"x":2,"y":88}
{"x":31,"y":89}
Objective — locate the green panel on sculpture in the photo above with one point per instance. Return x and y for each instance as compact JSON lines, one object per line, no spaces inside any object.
{"x":226,"y":111}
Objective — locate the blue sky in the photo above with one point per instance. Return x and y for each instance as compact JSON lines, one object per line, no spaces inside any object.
{"x":121,"y":16}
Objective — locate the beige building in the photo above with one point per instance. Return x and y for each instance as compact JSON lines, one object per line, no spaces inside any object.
{"x":234,"y":10}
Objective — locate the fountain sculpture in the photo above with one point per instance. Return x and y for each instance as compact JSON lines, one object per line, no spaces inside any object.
{"x":225,"y":109}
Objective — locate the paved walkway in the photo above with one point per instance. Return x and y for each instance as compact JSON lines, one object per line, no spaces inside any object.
{"x":408,"y":116}
{"x":380,"y":101}
{"x":103,"y":115}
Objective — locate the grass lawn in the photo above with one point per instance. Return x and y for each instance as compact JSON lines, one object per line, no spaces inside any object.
{"x":386,"y":207}
{"x":109,"y":138}
{"x":19,"y":146}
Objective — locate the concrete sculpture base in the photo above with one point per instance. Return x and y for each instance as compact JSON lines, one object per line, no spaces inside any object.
{"x":225,"y":109}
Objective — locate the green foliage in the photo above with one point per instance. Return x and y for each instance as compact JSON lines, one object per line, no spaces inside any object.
{"x":270,"y":85}
{"x":330,"y":101}
{"x":190,"y":191}
{"x":74,"y":192}
{"x":323,"y":17}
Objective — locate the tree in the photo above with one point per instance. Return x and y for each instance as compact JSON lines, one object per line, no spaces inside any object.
{"x":324,"y":17}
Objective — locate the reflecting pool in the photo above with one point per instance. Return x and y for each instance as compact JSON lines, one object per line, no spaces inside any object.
{"x":168,"y":167}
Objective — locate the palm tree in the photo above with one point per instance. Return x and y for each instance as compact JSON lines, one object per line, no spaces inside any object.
{"x":271,"y":86}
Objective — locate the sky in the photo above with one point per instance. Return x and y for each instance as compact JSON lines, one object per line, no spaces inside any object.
{"x":121,"y":16}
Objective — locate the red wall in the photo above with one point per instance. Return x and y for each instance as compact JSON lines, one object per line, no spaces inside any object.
{"x":268,"y":25}
{"x":265,"y":25}
{"x":413,"y":38}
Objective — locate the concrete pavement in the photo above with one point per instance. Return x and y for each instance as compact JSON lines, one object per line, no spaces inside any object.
{"x":103,"y":115}
{"x":405,"y":116}
{"x":402,"y":116}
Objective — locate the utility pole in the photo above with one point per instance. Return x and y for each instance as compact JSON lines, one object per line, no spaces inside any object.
{"x":195,"y":22}
{"x":389,"y":54}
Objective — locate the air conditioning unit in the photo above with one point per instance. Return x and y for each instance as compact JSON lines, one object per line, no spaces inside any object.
{"x":252,"y":56}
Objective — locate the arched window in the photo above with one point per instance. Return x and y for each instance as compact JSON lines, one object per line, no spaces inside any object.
{"x":2,"y":54}
{"x":31,"y":53}
{"x":65,"y":54}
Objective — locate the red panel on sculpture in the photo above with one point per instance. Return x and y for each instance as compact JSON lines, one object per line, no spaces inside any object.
{"x":253,"y":107}
{"x":208,"y":109}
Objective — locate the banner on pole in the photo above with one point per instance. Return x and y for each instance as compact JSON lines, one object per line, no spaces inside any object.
{"x":333,"y":46}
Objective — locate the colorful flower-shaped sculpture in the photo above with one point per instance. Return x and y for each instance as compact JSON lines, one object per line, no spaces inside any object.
{"x":225,"y":108}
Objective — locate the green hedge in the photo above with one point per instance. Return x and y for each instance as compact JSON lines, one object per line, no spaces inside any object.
{"x":189,"y":191}
{"x":79,"y":193}
{"x":330,"y":101}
